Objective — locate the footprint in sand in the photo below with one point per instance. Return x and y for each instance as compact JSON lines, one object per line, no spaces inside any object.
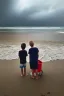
{"x":48,"y":92}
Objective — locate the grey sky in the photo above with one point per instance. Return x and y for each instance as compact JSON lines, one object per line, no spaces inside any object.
{"x":31,"y":12}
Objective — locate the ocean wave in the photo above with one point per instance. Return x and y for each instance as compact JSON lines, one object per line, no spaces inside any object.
{"x":31,"y":27}
{"x":47,"y":51}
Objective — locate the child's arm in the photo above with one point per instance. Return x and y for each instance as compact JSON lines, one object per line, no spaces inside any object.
{"x":29,"y":51}
{"x":29,"y":54}
{"x":38,"y":53}
{"x":19,"y":54}
{"x":26,"y":53}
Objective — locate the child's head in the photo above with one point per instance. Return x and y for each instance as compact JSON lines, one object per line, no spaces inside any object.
{"x":23,"y":46}
{"x":31,"y":43}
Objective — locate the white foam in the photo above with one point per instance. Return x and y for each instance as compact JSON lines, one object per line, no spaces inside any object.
{"x":31,"y":27}
{"x":46,"y":51}
{"x":61,"y":32}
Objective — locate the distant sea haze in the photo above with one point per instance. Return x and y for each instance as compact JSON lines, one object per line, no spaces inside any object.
{"x":31,"y":29}
{"x":34,"y":33}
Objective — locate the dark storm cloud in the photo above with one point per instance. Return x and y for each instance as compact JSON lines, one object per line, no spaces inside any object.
{"x":31,"y":13}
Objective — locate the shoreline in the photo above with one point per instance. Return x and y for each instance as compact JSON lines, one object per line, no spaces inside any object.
{"x":47,"y":50}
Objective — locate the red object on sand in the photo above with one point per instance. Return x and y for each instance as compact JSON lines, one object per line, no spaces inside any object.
{"x":40,"y":63}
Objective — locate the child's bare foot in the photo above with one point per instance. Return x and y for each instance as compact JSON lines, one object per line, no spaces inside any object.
{"x":32,"y":77}
{"x":21,"y":75}
{"x":25,"y":74}
{"x":37,"y":77}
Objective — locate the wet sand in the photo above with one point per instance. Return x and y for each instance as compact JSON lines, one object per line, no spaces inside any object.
{"x":12,"y":84}
{"x":35,"y":36}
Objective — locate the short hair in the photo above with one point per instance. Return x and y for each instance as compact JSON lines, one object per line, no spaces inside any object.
{"x":31,"y":43}
{"x":23,"y":45}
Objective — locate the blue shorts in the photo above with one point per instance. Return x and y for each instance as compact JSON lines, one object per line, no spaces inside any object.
{"x":22,"y":65}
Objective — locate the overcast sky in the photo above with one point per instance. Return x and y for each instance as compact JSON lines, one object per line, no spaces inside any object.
{"x":31,"y":12}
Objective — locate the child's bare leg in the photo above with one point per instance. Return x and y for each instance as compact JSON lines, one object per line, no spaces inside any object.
{"x":21,"y":71}
{"x":24,"y":71}
{"x":32,"y":73}
{"x":36,"y":74}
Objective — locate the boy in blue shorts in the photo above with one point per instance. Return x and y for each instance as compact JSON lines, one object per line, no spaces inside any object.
{"x":22,"y":56}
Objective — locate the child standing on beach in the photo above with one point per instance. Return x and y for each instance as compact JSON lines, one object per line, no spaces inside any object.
{"x":33,"y":59}
{"x":22,"y":56}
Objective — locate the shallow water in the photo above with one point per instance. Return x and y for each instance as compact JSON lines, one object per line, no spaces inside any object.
{"x":47,"y":51}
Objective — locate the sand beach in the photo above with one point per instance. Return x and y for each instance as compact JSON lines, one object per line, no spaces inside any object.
{"x":12,"y":84}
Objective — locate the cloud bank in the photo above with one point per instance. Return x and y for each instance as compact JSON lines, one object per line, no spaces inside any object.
{"x":31,"y":12}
